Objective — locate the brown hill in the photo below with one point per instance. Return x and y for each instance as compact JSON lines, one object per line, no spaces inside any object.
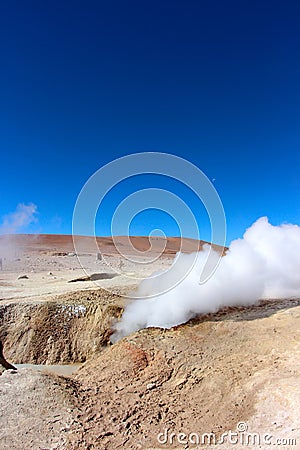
{"x":107,"y":245}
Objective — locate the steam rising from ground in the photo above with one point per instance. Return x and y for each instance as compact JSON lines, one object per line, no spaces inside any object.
{"x":16,"y":221}
{"x":23,"y":216}
{"x":264,"y":264}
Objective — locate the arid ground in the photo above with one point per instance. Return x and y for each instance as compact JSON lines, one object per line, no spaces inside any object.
{"x":234,"y":370}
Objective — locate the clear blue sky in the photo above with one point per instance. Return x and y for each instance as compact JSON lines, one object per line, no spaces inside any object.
{"x":85,"y":82}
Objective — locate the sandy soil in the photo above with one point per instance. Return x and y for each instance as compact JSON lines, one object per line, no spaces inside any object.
{"x":36,"y":410}
{"x":37,"y":274}
{"x":239,"y":365}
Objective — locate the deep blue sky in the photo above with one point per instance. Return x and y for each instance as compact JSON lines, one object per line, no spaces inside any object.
{"x":82,"y":83}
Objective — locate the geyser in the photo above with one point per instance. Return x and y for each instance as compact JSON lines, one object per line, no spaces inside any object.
{"x":264,"y":264}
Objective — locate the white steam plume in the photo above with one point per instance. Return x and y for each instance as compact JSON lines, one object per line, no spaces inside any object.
{"x":18,"y":220}
{"x":23,"y":216}
{"x":264,"y":264}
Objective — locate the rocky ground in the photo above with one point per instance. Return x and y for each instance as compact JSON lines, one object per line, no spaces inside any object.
{"x":237,"y":368}
{"x":36,"y":410}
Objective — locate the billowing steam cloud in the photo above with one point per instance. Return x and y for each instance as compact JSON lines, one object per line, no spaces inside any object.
{"x":264,"y":264}
{"x":18,"y":220}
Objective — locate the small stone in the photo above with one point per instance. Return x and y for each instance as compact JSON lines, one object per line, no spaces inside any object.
{"x":151,"y":385}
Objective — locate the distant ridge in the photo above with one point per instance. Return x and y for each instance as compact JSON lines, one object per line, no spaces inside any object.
{"x":86,"y":244}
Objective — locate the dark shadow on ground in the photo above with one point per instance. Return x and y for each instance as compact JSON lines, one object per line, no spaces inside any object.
{"x":95,"y":277}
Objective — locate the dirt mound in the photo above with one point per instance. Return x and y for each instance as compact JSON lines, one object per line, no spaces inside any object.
{"x":205,"y":376}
